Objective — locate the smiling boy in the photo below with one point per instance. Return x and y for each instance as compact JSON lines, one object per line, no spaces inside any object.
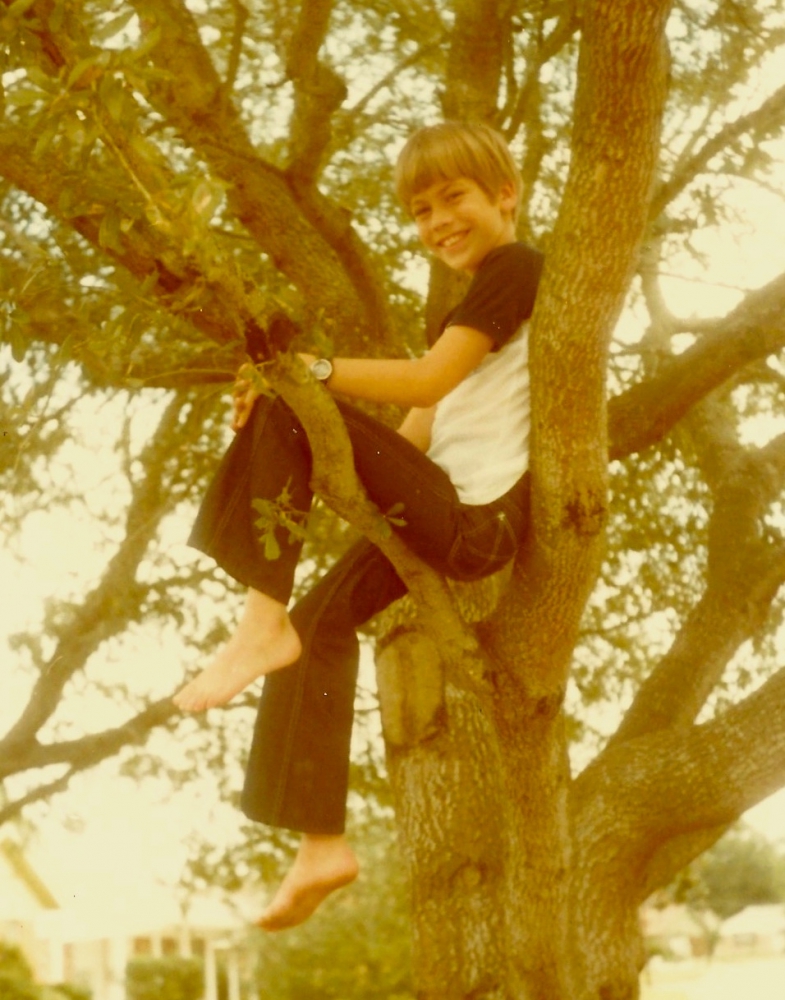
{"x":457,"y":463}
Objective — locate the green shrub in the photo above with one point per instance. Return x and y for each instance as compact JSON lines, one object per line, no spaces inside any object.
{"x":67,"y":991}
{"x":164,"y":979}
{"x":16,"y":976}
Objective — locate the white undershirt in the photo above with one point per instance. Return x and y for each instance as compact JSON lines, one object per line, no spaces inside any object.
{"x":480,"y":434}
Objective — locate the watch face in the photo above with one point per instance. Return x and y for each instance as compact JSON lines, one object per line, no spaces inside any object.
{"x":321,"y":369}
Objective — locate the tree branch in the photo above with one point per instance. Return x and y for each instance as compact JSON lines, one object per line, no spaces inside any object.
{"x":759,"y":123}
{"x":475,"y":59}
{"x":233,"y":65}
{"x":309,"y":239}
{"x":682,"y":785}
{"x":79,"y":754}
{"x":87,"y":751}
{"x":643,"y":414}
{"x":745,"y":570}
{"x":335,"y":480}
{"x":116,"y":600}
{"x":578,"y":302}
{"x":318,"y":92}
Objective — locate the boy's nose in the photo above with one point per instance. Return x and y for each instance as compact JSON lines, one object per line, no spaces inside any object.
{"x":440,"y":217}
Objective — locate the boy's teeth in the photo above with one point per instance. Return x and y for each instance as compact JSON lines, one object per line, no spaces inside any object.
{"x":451,"y":240}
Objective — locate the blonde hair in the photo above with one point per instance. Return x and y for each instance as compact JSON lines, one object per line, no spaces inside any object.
{"x":455,"y":149}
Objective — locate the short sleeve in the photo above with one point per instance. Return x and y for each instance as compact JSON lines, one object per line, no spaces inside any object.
{"x":501,"y":295}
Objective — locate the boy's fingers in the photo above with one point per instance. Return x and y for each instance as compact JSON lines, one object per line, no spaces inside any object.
{"x":242,"y":405}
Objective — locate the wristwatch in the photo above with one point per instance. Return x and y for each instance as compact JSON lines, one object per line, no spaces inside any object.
{"x":322,"y":369}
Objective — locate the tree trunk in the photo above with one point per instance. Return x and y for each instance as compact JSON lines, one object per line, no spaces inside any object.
{"x":481,"y":778}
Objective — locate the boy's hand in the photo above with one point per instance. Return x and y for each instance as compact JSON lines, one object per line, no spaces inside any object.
{"x":244,"y":396}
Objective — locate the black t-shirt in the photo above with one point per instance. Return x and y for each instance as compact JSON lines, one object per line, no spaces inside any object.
{"x":501,"y":294}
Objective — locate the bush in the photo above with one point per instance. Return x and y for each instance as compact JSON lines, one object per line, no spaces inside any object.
{"x":16,"y":976}
{"x":66,"y":991}
{"x":164,"y":979}
{"x":356,"y":945}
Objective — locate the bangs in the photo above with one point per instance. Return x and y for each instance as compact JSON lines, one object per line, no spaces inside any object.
{"x":430,"y":162}
{"x":444,"y":152}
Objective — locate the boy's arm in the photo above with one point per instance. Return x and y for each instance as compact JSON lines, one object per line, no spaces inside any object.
{"x":417,"y":382}
{"x":416,"y":427}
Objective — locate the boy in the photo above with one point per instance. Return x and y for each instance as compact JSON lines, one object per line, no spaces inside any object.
{"x":457,"y":463}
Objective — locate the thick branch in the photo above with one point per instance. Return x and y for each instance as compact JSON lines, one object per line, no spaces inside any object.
{"x":755,"y":329}
{"x":682,"y":784}
{"x":319,"y":91}
{"x":745,"y":570}
{"x":475,"y":60}
{"x":582,"y":291}
{"x":308,"y":238}
{"x":335,"y":480}
{"x":79,"y":754}
{"x":759,"y":123}
{"x":725,"y":617}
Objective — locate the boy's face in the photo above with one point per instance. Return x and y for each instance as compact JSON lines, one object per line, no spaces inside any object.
{"x":460,"y":224}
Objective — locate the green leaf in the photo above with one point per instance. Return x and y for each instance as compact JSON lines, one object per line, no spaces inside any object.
{"x":23,"y":97}
{"x":81,"y":68}
{"x":20,"y":7}
{"x":37,"y":76}
{"x":57,"y":17}
{"x":114,"y":27}
{"x":109,"y":231}
{"x":44,"y":140}
{"x":151,"y":39}
{"x":205,"y":199}
{"x":17,"y":341}
{"x":113,"y":96}
{"x":272,"y":549}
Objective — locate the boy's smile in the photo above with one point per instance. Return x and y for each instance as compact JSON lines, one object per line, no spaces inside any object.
{"x":460,"y":224}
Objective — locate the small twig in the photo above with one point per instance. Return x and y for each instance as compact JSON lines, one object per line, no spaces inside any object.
{"x":235,"y":50}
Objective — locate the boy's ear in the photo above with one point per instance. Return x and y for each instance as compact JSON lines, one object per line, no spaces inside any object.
{"x":508,"y":198}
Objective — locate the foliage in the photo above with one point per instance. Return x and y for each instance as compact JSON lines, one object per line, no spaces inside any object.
{"x":17,"y":982}
{"x":741,"y":869}
{"x":65,"y":991}
{"x":168,"y":978}
{"x":357,"y":945}
{"x":16,"y":976}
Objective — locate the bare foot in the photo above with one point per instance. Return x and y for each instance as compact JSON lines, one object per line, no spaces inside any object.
{"x":323,"y":864}
{"x":265,"y":640}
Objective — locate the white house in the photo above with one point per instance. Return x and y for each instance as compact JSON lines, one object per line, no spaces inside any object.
{"x":755,"y":930}
{"x":91,"y":947}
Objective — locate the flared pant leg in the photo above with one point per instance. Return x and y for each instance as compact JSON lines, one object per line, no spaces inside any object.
{"x":298,"y":769}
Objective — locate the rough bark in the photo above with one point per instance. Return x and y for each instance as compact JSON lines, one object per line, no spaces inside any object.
{"x":530,"y":637}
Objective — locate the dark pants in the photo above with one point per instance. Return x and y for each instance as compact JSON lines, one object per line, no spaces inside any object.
{"x":297,"y":774}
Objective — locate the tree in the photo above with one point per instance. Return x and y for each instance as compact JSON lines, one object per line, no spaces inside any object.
{"x":178,"y":176}
{"x":741,"y":869}
{"x":16,"y":976}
